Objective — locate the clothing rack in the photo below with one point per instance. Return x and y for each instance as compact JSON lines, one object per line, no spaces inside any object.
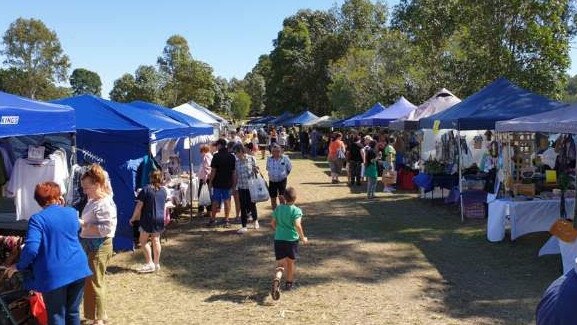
{"x":91,"y":157}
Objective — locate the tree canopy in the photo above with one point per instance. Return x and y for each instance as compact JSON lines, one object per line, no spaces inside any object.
{"x":85,"y":81}
{"x":34,"y":54}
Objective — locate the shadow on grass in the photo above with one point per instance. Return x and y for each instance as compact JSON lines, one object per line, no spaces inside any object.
{"x":501,"y":281}
{"x":239,"y":298}
{"x":480,"y":279}
{"x":115,"y":269}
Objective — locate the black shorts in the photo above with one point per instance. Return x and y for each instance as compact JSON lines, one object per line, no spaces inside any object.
{"x":276,"y":188}
{"x":283,"y":248}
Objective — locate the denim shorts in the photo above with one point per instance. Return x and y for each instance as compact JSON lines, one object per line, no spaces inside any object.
{"x":220,"y":195}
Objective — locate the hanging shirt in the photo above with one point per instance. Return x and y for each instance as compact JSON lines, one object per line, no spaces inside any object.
{"x":25,"y":176}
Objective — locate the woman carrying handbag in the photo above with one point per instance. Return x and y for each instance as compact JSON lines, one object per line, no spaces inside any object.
{"x":245,"y":170}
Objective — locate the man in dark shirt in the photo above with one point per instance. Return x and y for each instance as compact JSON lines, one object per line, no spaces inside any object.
{"x":304,"y":142}
{"x":222,"y":179}
{"x":355,"y":160}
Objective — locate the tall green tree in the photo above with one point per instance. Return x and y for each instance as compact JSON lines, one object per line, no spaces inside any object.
{"x":187,"y":79}
{"x":240,"y":106}
{"x":146,"y":84}
{"x":123,"y":90}
{"x":527,"y":41}
{"x":84,"y":81}
{"x":33,"y":49}
{"x":255,"y":87}
{"x":222,"y":96}
{"x":290,"y":61}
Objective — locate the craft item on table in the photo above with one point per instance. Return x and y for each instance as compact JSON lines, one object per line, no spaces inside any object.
{"x":550,"y":176}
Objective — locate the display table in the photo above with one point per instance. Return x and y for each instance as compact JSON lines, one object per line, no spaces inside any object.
{"x":524,"y":216}
{"x":568,"y":252}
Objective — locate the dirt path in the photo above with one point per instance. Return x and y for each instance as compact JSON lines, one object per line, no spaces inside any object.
{"x":393,"y":260}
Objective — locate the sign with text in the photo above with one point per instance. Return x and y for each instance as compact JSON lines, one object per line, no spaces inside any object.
{"x":9,"y":119}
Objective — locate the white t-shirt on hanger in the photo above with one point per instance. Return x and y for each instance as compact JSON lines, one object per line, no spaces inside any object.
{"x":25,"y":176}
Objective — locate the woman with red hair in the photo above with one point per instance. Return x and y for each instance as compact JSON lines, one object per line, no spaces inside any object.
{"x":52,"y":251}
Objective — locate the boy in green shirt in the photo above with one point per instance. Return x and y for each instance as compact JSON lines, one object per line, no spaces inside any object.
{"x":286,"y":223}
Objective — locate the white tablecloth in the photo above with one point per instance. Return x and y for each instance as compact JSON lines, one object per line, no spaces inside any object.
{"x":525,"y":217}
{"x":568,"y":252}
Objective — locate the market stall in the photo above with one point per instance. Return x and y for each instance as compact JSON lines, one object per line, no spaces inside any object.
{"x":499,"y":101}
{"x":562,"y":120}
{"x":28,"y":154}
{"x":122,"y":135}
{"x":183,"y":186}
{"x":32,"y":150}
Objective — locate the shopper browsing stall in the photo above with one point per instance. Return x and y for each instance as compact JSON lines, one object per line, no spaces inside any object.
{"x":245,"y":170}
{"x":53,"y":253}
{"x":98,"y":228}
{"x":149,"y":210}
{"x":221,"y":181}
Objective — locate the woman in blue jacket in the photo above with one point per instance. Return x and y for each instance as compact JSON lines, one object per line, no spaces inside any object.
{"x":53,"y":253}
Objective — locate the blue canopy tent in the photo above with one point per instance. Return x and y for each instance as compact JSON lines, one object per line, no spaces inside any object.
{"x":261,"y":120}
{"x":499,"y":101}
{"x":280,"y":119}
{"x":303,"y":118}
{"x":121,"y":135}
{"x":354,"y":121}
{"x":23,"y":116}
{"x":200,"y":132}
{"x":197,"y":128}
{"x":401,"y":108}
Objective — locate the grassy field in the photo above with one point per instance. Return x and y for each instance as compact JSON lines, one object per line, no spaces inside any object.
{"x":396,"y":259}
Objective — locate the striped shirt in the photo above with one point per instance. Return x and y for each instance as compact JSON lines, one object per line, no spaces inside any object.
{"x":278,"y":169}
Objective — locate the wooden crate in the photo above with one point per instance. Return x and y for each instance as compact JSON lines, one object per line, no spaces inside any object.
{"x":524,"y":189}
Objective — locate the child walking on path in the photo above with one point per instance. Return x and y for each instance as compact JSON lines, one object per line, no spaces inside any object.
{"x":371,"y":169}
{"x":286,"y":223}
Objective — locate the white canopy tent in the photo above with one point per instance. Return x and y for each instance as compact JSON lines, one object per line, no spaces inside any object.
{"x":221,"y":120}
{"x":199,"y":115}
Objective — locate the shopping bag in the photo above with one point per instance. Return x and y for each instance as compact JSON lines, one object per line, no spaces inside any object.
{"x":204,"y":197}
{"x":258,"y":189}
{"x":38,"y":308}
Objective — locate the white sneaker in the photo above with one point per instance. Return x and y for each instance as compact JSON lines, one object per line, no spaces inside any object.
{"x":146,"y":268}
{"x":256,"y":225}
{"x":157,"y":267}
{"x":242,"y":230}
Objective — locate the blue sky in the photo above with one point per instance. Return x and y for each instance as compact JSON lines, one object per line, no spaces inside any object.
{"x":115,"y":37}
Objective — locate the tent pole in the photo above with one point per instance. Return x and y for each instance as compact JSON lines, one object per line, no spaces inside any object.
{"x":460,"y":175}
{"x":73,"y":159}
{"x":190,"y":173}
{"x":575,"y":202}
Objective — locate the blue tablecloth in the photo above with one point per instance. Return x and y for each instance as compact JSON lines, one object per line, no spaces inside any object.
{"x":428,"y":182}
